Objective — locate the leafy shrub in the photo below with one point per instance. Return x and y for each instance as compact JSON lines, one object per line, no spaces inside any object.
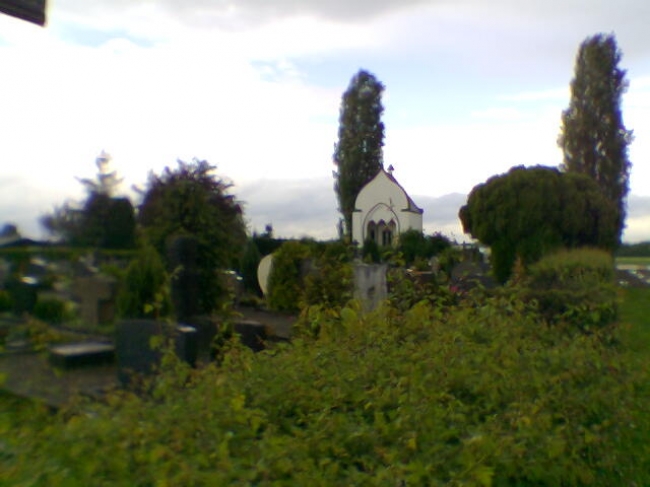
{"x":479,"y":396}
{"x":575,"y":287}
{"x":370,"y":252}
{"x":53,"y":310}
{"x":41,"y":334}
{"x":573,"y":269}
{"x":407,"y":288}
{"x":6,"y":303}
{"x":330,"y":283}
{"x":145,"y":290}
{"x":285,"y":280}
{"x":416,"y":247}
{"x":448,"y":258}
{"x":23,"y":295}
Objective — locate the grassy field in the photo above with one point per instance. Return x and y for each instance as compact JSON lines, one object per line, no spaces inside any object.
{"x":640,"y":261}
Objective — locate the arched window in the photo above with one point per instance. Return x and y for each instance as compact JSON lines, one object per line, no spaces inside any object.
{"x":372,"y":231}
{"x":388,"y":233}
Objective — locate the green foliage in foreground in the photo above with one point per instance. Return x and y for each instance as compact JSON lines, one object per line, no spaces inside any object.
{"x":635,"y":313}
{"x":484,"y":395}
{"x":573,"y":288}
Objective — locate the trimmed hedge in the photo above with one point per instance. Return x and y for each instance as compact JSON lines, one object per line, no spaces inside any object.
{"x":574,"y":287}
{"x":482,"y":396}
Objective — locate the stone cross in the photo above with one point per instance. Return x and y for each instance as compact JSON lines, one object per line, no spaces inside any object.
{"x":96,"y":296}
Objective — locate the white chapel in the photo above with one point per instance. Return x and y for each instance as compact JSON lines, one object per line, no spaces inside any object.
{"x":383,"y":210}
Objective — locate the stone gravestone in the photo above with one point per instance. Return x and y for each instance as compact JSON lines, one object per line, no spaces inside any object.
{"x":135,"y":356}
{"x":182,"y":254}
{"x":252,"y":334}
{"x":83,"y":354}
{"x":370,"y":284}
{"x":96,"y":295}
{"x":263,"y":273}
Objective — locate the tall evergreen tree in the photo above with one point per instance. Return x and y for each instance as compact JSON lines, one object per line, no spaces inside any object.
{"x":358,"y":153}
{"x":593,"y":137}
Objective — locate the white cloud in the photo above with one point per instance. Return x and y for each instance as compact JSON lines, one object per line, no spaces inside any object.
{"x":553,"y":95}
{"x":498,"y":114}
{"x":242,"y":85}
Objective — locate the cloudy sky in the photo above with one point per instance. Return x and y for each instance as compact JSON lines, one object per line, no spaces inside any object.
{"x":473,"y":87}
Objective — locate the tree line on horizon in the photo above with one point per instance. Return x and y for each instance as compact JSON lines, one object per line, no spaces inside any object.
{"x":526,"y":212}
{"x":522,"y":214}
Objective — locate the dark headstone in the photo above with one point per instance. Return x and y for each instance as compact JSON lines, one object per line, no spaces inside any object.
{"x":182,"y":254}
{"x":23,"y":294}
{"x":206,"y":330}
{"x":186,"y":343}
{"x":252,"y":334}
{"x":135,"y":354}
{"x":72,"y":355}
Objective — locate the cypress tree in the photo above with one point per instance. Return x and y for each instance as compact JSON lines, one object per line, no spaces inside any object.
{"x":358,"y":154}
{"x":593,"y":136}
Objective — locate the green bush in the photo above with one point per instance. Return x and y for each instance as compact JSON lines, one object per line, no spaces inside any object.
{"x":416,"y":247}
{"x":574,"y":287}
{"x":480,"y":396}
{"x":370,"y":252}
{"x":53,"y":310}
{"x":145,"y":291}
{"x":6,"y":303}
{"x":286,"y":280}
{"x":406,"y":289}
{"x":330,"y":283}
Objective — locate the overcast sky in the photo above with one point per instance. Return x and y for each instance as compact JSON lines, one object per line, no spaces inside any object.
{"x":254,"y":86}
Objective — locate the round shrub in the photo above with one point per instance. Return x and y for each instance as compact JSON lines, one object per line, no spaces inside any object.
{"x":285,"y":280}
{"x":575,"y":287}
{"x":53,"y":310}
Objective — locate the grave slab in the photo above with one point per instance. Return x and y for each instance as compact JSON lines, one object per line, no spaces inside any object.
{"x":84,"y":354}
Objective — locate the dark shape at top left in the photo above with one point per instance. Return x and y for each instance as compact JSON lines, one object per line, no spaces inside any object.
{"x":29,"y":10}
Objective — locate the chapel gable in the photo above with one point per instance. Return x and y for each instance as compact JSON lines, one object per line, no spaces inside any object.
{"x":383,"y":210}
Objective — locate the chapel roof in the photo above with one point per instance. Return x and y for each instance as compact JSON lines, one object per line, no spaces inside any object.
{"x":411,"y":204}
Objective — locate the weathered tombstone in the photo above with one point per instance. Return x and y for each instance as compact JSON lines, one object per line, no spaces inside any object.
{"x":136,"y":358}
{"x":233,"y":284}
{"x":206,"y":329}
{"x":370,"y":284}
{"x":73,"y":355}
{"x":84,"y":267}
{"x":252,"y":334}
{"x":96,"y":295}
{"x":263,"y":273}
{"x":23,"y":293}
{"x":182,"y":254}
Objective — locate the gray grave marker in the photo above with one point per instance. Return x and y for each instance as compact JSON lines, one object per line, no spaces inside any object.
{"x":96,"y":296}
